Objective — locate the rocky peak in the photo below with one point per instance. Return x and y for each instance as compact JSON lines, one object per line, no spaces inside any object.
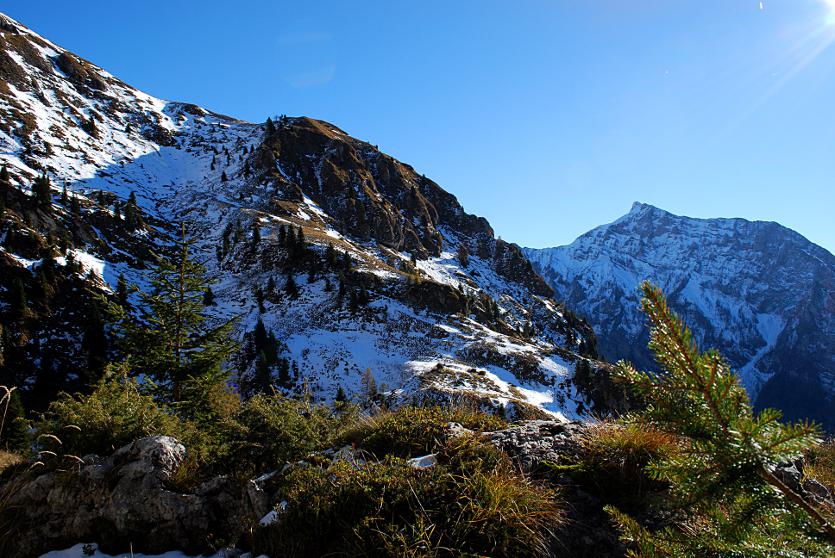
{"x":422,"y":293}
{"x":751,"y":289}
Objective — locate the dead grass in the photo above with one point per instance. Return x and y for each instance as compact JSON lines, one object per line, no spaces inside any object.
{"x":820,"y":464}
{"x":614,"y":460}
{"x":7,"y":459}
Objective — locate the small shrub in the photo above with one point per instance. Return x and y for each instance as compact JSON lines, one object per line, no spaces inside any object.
{"x":272,"y":430}
{"x":614,"y":460}
{"x":114,"y":414}
{"x":471,"y":503}
{"x":412,"y":431}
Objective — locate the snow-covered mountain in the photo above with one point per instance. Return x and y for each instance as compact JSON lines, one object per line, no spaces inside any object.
{"x":429,"y":301}
{"x":759,"y":292}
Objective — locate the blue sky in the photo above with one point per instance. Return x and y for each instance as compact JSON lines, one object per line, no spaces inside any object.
{"x":546,"y":117}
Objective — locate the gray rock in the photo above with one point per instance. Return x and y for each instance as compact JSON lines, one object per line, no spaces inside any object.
{"x":536,"y":441}
{"x":122,"y":501}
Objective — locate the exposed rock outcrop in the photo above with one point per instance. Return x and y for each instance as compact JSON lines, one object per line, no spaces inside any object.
{"x":124,"y":501}
{"x":536,"y":441}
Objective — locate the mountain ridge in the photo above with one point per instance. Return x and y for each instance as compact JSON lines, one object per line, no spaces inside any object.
{"x":751,"y":289}
{"x":426,"y":297}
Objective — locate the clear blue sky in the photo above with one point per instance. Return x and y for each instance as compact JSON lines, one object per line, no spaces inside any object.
{"x":546,"y":117}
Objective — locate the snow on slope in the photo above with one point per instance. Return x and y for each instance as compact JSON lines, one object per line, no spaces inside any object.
{"x":91,"y":132}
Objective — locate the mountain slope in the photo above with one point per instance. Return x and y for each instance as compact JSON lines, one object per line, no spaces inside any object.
{"x":759,"y":292}
{"x":384,"y":270}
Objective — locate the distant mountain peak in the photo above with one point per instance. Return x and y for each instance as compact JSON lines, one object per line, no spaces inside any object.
{"x":758,"y":291}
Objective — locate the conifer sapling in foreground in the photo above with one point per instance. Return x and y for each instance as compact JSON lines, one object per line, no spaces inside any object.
{"x":723,"y":477}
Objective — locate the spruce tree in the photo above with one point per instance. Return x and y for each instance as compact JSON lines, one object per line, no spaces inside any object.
{"x":14,"y":433}
{"x":330,"y":256}
{"x":263,"y":374}
{"x":223,"y":177}
{"x":171,"y":339}
{"x":269,"y":128}
{"x":369,"y":386}
{"x":256,"y":234}
{"x":75,"y":207}
{"x":284,"y":373}
{"x":463,"y":255}
{"x":122,"y":292}
{"x":133,"y":214}
{"x":722,"y":475}
{"x":17,"y":300}
{"x":94,"y":345}
{"x":208,"y":297}
{"x":290,"y":287}
{"x":5,"y":183}
{"x":42,"y":190}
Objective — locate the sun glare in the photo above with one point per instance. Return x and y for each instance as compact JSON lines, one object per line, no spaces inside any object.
{"x":829,"y":16}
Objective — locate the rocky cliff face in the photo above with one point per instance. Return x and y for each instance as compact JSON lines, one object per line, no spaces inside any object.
{"x":423,"y":295}
{"x":759,"y":292}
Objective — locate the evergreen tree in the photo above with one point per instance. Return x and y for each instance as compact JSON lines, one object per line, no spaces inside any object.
{"x":133,"y":214}
{"x":369,"y":386}
{"x":208,"y":297}
{"x":259,"y":335}
{"x":64,"y":195}
{"x":94,"y":345}
{"x":18,"y":301}
{"x":340,"y":294}
{"x":122,"y":292}
{"x":75,"y":207}
{"x":239,"y":232}
{"x":284,"y":373}
{"x":269,"y":128}
{"x":171,"y":340}
{"x":330,"y":256}
{"x":256,"y":233}
{"x":263,"y":374}
{"x":223,"y":177}
{"x":341,"y":397}
{"x":48,"y":266}
{"x":290,"y":287}
{"x":5,"y":183}
{"x":42,"y":190}
{"x":463,"y":255}
{"x":14,"y":433}
{"x":722,"y":474}
{"x":259,"y":298}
